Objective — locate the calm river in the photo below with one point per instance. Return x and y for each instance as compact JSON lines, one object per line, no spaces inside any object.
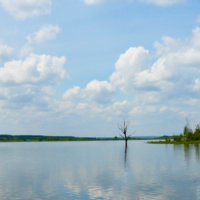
{"x":99,"y":170}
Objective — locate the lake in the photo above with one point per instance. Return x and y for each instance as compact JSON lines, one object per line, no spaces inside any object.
{"x":99,"y":170}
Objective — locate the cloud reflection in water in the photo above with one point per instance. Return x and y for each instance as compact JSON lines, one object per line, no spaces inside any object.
{"x":98,"y":170}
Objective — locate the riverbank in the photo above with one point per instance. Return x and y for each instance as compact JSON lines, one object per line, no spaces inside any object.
{"x":175,"y":142}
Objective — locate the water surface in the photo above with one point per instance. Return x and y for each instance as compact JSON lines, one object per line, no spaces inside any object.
{"x":99,"y":170}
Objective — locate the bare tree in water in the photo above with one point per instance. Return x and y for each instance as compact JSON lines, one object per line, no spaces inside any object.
{"x":123,"y":127}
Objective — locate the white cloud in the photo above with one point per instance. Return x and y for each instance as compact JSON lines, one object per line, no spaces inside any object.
{"x":175,"y":73}
{"x":196,"y":38}
{"x":136,"y":110}
{"x":97,"y":91}
{"x":6,"y":53}
{"x":95,"y":1}
{"x":164,"y":2}
{"x":35,"y":69}
{"x":73,"y":94}
{"x":21,"y":97}
{"x":157,"y":2}
{"x":120,"y":108}
{"x":166,"y":84}
{"x":21,"y":9}
{"x":94,"y":110}
{"x":129,"y":64}
{"x":30,"y":83}
{"x":154,"y":86}
{"x":45,"y":33}
{"x":197,"y":85}
{"x":100,"y":91}
{"x":25,"y":50}
{"x":169,"y":45}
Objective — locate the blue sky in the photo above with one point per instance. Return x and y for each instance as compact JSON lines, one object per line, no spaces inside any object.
{"x":77,"y":67}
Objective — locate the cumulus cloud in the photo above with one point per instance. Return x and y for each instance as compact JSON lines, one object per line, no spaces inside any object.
{"x":167,"y":82}
{"x":30,"y":82}
{"x":174,"y":74}
{"x":157,"y":2}
{"x":6,"y":53}
{"x":32,"y":96}
{"x":35,"y":69}
{"x":45,"y":33}
{"x":22,"y":9}
{"x":164,"y":84}
{"x":129,"y":64}
{"x":96,"y":91}
{"x":95,"y":110}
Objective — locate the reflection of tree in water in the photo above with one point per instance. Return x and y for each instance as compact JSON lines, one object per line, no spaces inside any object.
{"x":196,"y":146}
{"x":178,"y":148}
{"x":125,"y":155}
{"x":188,"y":150}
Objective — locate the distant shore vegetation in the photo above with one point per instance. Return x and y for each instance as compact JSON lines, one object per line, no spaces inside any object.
{"x":187,"y":137}
{"x":40,"y":138}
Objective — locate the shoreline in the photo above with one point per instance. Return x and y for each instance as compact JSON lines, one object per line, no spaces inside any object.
{"x":174,"y":142}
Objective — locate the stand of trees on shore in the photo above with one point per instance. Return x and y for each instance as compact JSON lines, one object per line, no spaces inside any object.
{"x":188,"y":136}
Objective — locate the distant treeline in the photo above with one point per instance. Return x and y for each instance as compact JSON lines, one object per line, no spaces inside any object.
{"x":37,"y":138}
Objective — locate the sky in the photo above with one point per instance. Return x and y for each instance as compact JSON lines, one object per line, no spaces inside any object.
{"x":78,"y":67}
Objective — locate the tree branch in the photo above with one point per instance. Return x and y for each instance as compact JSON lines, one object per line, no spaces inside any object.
{"x":120,"y":128}
{"x":133,"y":133}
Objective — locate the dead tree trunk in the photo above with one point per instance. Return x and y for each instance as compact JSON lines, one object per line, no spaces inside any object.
{"x":123,"y":127}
